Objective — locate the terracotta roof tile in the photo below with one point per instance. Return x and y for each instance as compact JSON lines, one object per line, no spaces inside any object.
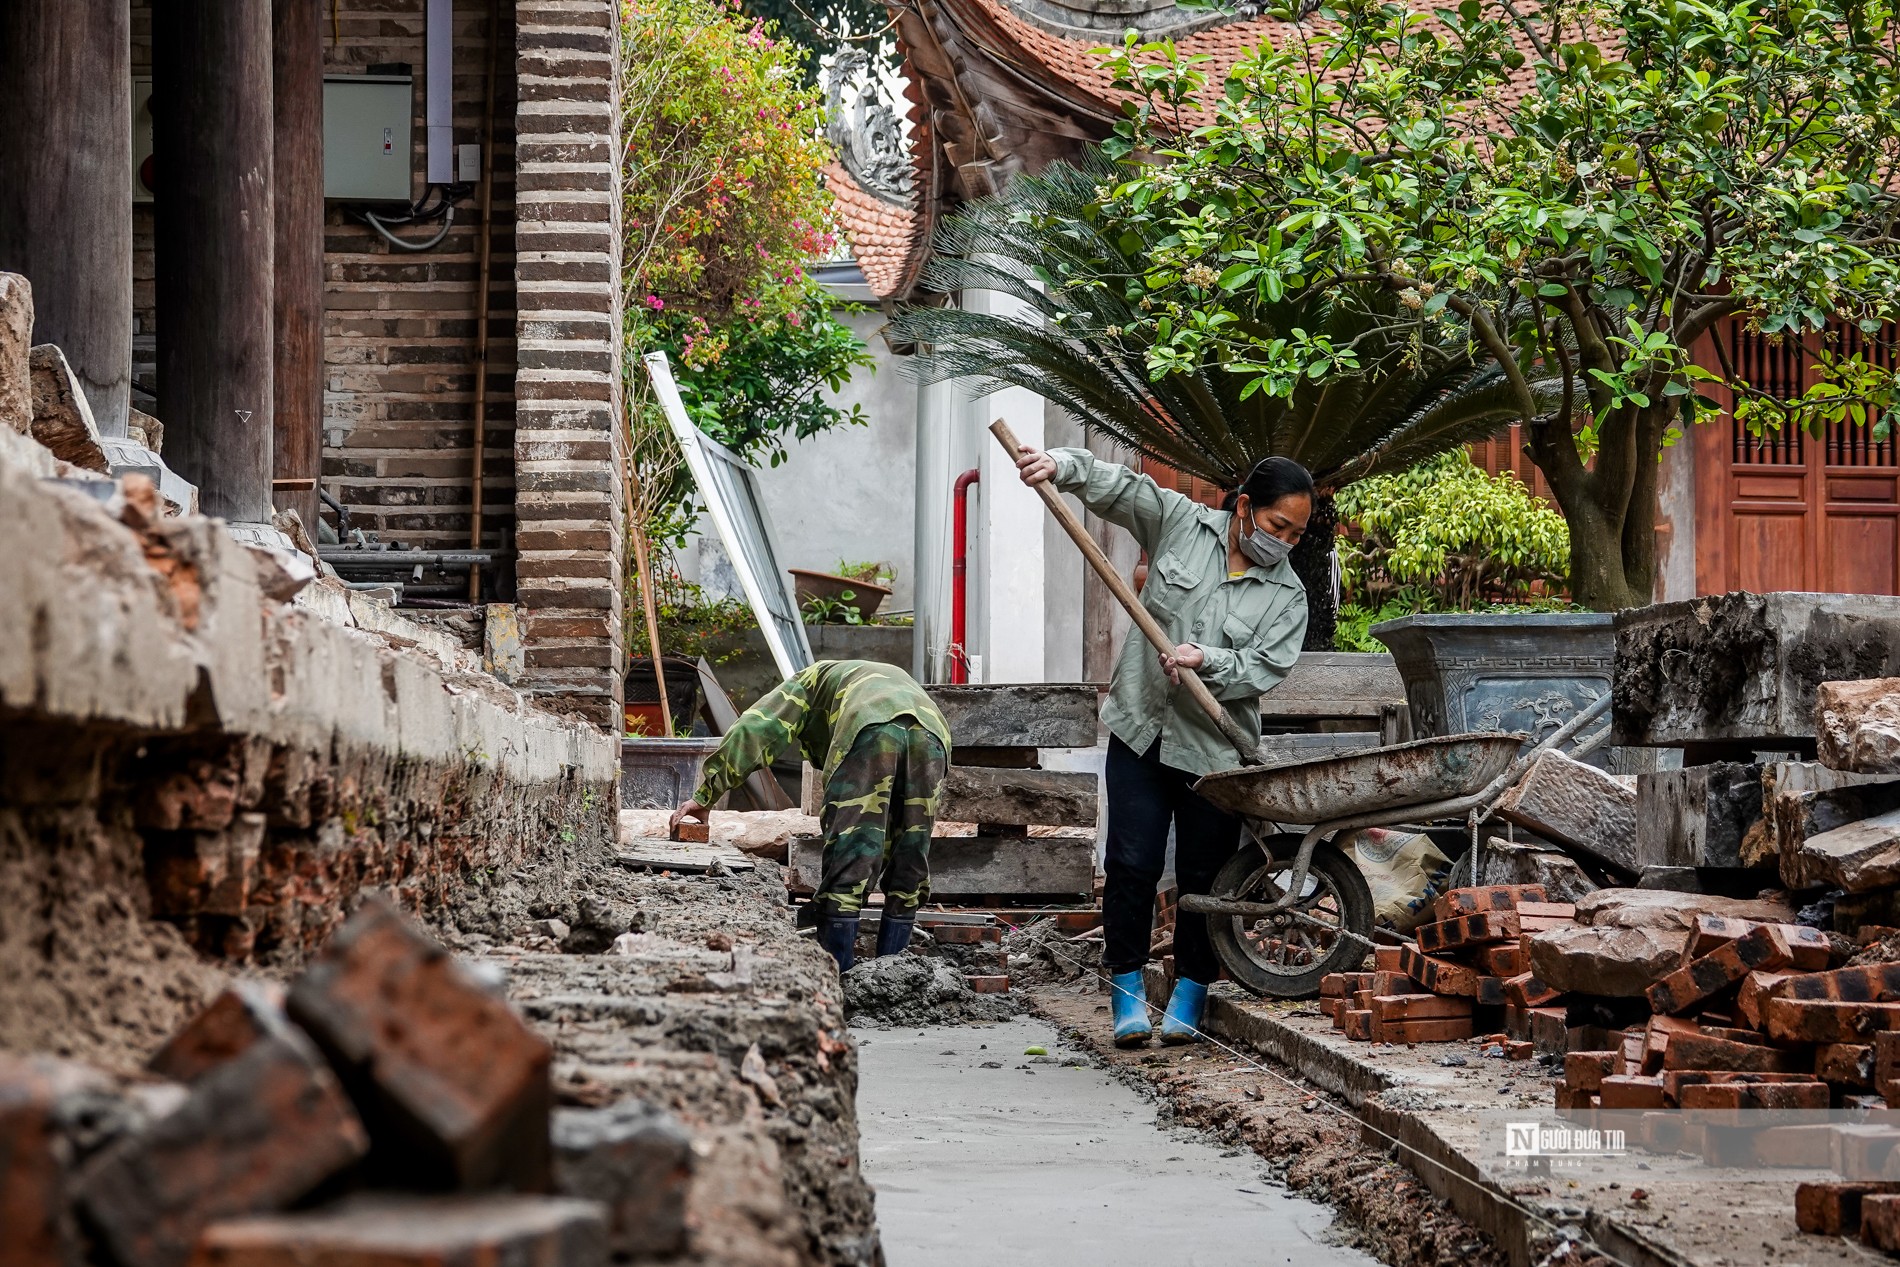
{"x":888,"y":241}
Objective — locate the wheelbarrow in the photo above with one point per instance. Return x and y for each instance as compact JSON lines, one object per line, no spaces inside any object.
{"x":1289,"y":909}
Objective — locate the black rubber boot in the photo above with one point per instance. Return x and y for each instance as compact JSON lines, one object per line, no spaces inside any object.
{"x":893,"y":934}
{"x":839,"y":935}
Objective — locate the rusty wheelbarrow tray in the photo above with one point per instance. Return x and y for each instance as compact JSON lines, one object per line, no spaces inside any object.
{"x":1452,"y":776}
{"x":1397,"y":777}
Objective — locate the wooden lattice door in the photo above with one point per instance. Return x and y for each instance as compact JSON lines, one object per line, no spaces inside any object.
{"x":1786,"y":510}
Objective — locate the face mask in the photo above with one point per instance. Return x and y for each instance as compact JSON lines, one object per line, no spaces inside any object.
{"x":1264,"y":548}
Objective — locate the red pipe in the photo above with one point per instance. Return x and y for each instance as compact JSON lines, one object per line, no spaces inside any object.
{"x":959,"y":570}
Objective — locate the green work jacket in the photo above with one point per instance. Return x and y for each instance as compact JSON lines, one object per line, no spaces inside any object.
{"x":1249,"y":626}
{"x":821,"y":709}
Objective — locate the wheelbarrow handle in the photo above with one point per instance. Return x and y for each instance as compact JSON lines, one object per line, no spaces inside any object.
{"x":1124,"y":594}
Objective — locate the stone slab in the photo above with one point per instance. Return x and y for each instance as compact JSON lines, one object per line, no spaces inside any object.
{"x":1858,"y":857}
{"x":62,"y":417}
{"x":16,"y":338}
{"x":1798,"y":817}
{"x":1022,"y":798}
{"x":1744,"y":667}
{"x":1577,"y":805}
{"x":1857,"y":725}
{"x":636,"y":1160}
{"x":1336,"y":684}
{"x":1025,"y":715}
{"x":1697,"y":816}
{"x":976,"y":866}
{"x":1618,"y":962}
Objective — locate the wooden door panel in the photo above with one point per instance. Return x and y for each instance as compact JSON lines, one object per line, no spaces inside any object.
{"x":1770,"y":549}
{"x":1861,"y":554}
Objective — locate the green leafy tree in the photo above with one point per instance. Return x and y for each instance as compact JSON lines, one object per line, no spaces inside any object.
{"x":722,"y":209}
{"x":1579,"y":191}
{"x":1377,"y":395}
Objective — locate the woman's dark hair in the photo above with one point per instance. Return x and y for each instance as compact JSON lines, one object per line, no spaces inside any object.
{"x":1270,"y":480}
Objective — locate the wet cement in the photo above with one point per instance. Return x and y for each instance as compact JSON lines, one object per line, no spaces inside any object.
{"x":1049,"y":1160}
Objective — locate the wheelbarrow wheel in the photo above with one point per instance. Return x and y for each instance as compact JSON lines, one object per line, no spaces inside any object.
{"x":1285,"y":959}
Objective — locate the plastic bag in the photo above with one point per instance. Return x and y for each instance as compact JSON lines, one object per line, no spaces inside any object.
{"x":1405,"y":871}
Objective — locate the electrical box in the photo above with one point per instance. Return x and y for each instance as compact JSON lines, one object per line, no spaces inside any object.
{"x":367,"y":154}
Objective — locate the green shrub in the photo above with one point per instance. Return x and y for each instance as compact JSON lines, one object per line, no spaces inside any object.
{"x":1446,"y":533}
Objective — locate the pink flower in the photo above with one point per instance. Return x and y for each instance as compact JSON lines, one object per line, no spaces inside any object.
{"x":655,"y":302}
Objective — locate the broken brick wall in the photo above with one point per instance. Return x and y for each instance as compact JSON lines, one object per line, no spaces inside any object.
{"x":399,"y":327}
{"x":199,"y":778}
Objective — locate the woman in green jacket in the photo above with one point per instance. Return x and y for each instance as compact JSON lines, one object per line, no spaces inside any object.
{"x":1220,"y":585}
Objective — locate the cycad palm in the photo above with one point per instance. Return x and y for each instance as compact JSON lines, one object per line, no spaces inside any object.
{"x":1414,"y":394}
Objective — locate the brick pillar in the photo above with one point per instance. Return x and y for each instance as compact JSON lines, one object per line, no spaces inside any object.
{"x":569,"y":498}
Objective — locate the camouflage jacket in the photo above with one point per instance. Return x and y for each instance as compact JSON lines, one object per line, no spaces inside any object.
{"x":822,"y":710}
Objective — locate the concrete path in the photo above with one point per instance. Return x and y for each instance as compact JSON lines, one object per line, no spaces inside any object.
{"x":1046,"y":1164}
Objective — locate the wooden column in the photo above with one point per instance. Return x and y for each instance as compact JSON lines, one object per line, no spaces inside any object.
{"x":66,"y":184}
{"x":297,"y":172}
{"x":211,"y":147}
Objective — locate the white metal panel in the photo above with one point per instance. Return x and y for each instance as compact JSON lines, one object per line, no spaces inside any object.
{"x":439,"y":86}
{"x":367,"y":123}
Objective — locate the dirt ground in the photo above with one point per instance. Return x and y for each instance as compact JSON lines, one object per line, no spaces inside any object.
{"x":1315,"y":1151}
{"x":711,"y":1007}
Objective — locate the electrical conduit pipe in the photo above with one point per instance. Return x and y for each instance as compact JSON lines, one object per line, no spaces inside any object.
{"x":959,"y":573}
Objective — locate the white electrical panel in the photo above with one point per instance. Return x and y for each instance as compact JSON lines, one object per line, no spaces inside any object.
{"x":367,"y":121}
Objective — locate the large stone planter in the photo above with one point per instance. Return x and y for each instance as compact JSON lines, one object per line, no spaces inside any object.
{"x":1472,"y":671}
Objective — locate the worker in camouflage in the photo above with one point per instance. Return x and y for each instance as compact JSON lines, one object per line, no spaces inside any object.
{"x":884,"y":749}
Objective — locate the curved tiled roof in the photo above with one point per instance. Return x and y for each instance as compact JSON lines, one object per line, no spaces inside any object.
{"x":886,"y":240}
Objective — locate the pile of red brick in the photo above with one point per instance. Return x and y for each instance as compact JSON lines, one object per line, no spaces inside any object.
{"x":1461,"y":977}
{"x":387,"y":1070}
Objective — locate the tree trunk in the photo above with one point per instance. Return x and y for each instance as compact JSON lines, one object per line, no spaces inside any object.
{"x":1312,"y":562}
{"x":1598,"y":577}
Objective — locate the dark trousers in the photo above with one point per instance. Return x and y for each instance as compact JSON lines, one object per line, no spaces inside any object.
{"x":1144,"y":797}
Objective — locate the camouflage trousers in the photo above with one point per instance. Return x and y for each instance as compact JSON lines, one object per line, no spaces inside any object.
{"x":879,"y":806}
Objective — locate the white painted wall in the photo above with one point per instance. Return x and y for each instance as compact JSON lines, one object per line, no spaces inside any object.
{"x":845,"y":494}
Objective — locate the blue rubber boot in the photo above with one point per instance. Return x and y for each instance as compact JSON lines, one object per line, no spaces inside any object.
{"x":1129,"y":998}
{"x":893,"y":934}
{"x":1181,"y":1023}
{"x":839,"y":935}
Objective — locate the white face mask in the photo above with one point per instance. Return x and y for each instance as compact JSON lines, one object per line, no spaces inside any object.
{"x":1264,"y":548}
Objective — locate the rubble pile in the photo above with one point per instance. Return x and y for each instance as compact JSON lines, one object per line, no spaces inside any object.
{"x":1461,"y":971}
{"x":389,"y":1106}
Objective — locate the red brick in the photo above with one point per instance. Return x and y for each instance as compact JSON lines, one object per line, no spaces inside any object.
{"x":1586,"y":1070}
{"x":1564,"y":1099}
{"x":1435,"y":1030}
{"x":32,"y":1170}
{"x":1762,"y":948}
{"x":1887,"y":1067}
{"x":1358,"y":1026}
{"x":1386,"y":959}
{"x":1735,"y":1138}
{"x":1675,"y":1080}
{"x":1440,"y":976}
{"x":1361,"y":1000}
{"x":1526,"y":990}
{"x":1332,"y":986}
{"x":1502,"y":961}
{"x":1874,"y":983}
{"x":1845,"y":1064}
{"x":1550,"y":1030}
{"x":989,"y":984}
{"x":1471,"y":901}
{"x":1395,"y":983}
{"x":1757,"y":988}
{"x":1656,"y":1038}
{"x":964,"y":934}
{"x":1824,"y":1021}
{"x":238,"y":1017}
{"x":1755,"y":1095}
{"x":1630,"y":1092}
{"x":1518,"y":1050}
{"x":1700,"y":1051}
{"x":451,"y":1083}
{"x":1809,"y":948}
{"x":1833,"y":1209}
{"x":1418,"y":1007}
{"x":256,"y":1132}
{"x":1468,"y":930}
{"x":409,"y":1231}
{"x":1861,"y":1151}
{"x":1880,"y":1221}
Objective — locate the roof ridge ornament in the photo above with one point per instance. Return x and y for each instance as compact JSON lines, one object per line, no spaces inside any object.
{"x":865,"y":128}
